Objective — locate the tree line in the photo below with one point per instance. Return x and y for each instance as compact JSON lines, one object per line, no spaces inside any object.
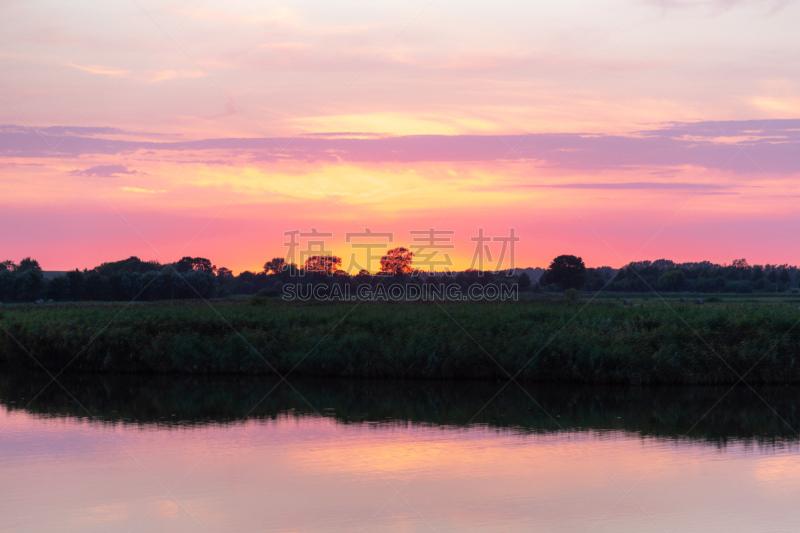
{"x":197,"y":277}
{"x":189,"y":278}
{"x":663,"y":275}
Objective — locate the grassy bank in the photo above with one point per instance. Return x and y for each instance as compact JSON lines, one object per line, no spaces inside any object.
{"x":543,"y":340}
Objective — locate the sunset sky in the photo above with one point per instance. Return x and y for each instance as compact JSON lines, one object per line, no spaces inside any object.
{"x":613,"y":130}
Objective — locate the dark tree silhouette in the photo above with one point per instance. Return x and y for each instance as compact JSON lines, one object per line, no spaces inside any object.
{"x":224,"y":273}
{"x":275,"y":265}
{"x":397,"y":261}
{"x":200,"y":264}
{"x":567,"y":271}
{"x":28,"y":264}
{"x":322,"y":264}
{"x":129,"y":265}
{"x":673,"y":280}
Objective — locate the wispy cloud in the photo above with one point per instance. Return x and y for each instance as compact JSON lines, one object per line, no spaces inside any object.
{"x":155,"y":76}
{"x":102,"y":70}
{"x":147,"y":76}
{"x":638,"y":185}
{"x":63,"y":130}
{"x":141,"y":191}
{"x":104,"y":171}
{"x":773,"y":145}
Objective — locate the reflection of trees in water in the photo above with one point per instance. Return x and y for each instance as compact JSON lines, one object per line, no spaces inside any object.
{"x":665,"y":412}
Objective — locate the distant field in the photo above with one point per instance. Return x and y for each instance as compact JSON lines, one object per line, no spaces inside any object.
{"x":542,"y":338}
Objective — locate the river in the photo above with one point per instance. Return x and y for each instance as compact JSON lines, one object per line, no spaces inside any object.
{"x":173,"y":454}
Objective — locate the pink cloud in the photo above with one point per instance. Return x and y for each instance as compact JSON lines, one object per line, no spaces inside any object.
{"x":771,"y":146}
{"x":104,"y":171}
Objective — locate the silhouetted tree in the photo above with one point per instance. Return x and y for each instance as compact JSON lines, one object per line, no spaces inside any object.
{"x":224,"y":273}
{"x":363,"y":276}
{"x":275,"y":265}
{"x":740,"y":263}
{"x":76,"y":285}
{"x":567,"y":271}
{"x":397,"y":261}
{"x":93,"y":288}
{"x":199,"y":264}
{"x":290,"y":270}
{"x":322,"y":264}
{"x":58,"y":289}
{"x":673,"y":280}
{"x":28,"y":284}
{"x":28,"y":264}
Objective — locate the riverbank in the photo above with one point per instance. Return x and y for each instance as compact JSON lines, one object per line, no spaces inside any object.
{"x":540,"y":340}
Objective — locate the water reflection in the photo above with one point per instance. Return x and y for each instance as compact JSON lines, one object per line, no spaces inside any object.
{"x":665,"y":412}
{"x":177,"y":454}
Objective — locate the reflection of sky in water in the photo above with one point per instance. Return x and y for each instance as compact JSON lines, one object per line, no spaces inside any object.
{"x":312,"y":474}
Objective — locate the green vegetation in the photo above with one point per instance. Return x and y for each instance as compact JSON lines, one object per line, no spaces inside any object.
{"x":543,"y":340}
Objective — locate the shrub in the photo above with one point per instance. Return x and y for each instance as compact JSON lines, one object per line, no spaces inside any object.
{"x":572,"y":295}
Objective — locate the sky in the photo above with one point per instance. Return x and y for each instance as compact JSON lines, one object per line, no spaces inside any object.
{"x":617,"y":131}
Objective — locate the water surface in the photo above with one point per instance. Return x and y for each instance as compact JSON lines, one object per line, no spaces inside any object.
{"x":235,"y":454}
